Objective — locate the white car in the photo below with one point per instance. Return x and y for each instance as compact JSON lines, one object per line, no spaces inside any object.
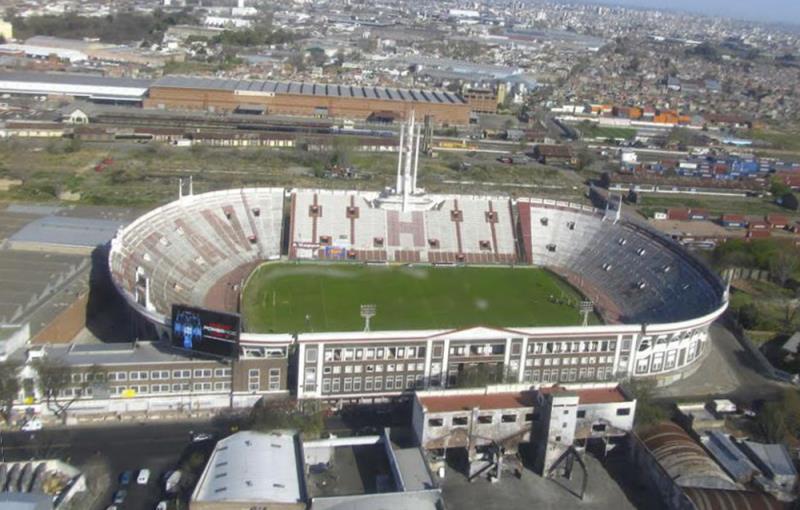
{"x":32,"y":426}
{"x":144,"y":477}
{"x":162,"y":505}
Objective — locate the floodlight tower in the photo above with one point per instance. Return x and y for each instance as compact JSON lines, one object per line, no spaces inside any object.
{"x":587,"y":307}
{"x":367,"y":312}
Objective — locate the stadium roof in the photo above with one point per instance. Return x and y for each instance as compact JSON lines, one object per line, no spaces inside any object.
{"x":309,"y":89}
{"x":420,"y":500}
{"x":68,"y":231}
{"x":253,"y":466}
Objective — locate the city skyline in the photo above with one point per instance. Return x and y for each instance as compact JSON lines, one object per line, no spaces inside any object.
{"x":774,"y":11}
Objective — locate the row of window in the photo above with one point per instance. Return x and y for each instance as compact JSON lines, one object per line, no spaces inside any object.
{"x":483,"y":419}
{"x":568,"y":374}
{"x":567,"y":347}
{"x":583,"y":360}
{"x":376,"y":353}
{"x":389,"y":367}
{"x":161,"y":375}
{"x":153,"y":389}
{"x":660,"y":361}
{"x":377,"y":383}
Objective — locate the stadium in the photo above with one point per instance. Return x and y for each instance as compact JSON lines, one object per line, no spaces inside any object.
{"x":530,"y":290}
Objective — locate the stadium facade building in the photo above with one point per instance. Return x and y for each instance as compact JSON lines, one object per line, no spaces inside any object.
{"x":305,"y":99}
{"x":657,"y":301}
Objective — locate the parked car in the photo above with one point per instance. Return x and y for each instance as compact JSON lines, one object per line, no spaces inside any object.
{"x":202,"y":436}
{"x":125,"y":478}
{"x":32,"y":426}
{"x":144,"y":477}
{"x":162,"y":505}
{"x":119,"y":496}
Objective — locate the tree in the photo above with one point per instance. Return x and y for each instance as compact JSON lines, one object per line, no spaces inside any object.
{"x":647,"y":411}
{"x":789,"y":201}
{"x":778,"y":419}
{"x":61,"y":386}
{"x":9,"y":388}
{"x":583,"y":158}
{"x":778,"y":188}
{"x":783,"y":265}
{"x":277,"y":414}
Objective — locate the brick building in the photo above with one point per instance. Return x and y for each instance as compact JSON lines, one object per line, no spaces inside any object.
{"x":305,"y":99}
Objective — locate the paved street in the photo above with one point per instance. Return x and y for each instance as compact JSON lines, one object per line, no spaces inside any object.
{"x":727,"y":372}
{"x":156,"y":446}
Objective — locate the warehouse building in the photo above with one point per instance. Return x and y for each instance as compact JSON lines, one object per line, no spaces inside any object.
{"x":91,"y":87}
{"x":305,"y":99}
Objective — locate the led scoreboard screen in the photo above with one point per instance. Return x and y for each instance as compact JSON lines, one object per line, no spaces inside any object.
{"x":205,"y":331}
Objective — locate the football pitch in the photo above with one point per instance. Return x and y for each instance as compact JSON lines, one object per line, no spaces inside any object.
{"x":293,"y":298}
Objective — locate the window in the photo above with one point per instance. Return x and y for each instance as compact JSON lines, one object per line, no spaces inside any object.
{"x":181,"y":374}
{"x":222,"y":372}
{"x":368,"y":384}
{"x":623,"y":411}
{"x":203,"y":373}
{"x":460,"y":420}
{"x":326,"y":386}
{"x":389,"y":383}
{"x":310,"y":379}
{"x":508,"y":418}
{"x":599,"y":427}
{"x":178,"y":387}
{"x":155,"y":375}
{"x":348,"y":384}
{"x":202,"y":386}
{"x":435,"y":422}
{"x":222,"y":386}
{"x":356,"y":384}
{"x":274,"y":380}
{"x":485,"y":418}
{"x":337,"y":385}
{"x":528,"y":417}
{"x":581,"y":414}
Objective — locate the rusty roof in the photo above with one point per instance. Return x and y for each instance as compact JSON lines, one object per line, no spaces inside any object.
{"x":513,"y":400}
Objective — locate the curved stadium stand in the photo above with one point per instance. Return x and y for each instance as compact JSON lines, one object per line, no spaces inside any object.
{"x":181,"y":252}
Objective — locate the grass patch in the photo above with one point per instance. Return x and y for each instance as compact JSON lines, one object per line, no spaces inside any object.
{"x":716,"y":206}
{"x":279,"y":297}
{"x":778,"y":140}
{"x":595,"y":131}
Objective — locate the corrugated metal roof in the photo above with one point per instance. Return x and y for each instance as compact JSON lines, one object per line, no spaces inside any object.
{"x":72,"y":79}
{"x":68,"y":231}
{"x":316,"y":89}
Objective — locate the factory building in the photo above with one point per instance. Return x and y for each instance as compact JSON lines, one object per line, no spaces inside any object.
{"x":305,"y":99}
{"x":87,"y":86}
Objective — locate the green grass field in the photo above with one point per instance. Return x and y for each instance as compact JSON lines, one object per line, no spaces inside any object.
{"x":279,"y":296}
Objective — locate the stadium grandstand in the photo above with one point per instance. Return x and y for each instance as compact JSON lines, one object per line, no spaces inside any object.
{"x":352,"y":225}
{"x":197,"y":250}
{"x":637,"y":275}
{"x":656,"y":300}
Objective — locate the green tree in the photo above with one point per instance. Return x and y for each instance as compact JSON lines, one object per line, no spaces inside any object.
{"x":647,"y":411}
{"x":783,"y":265}
{"x":278,"y":414}
{"x":778,"y":188}
{"x":9,"y":388}
{"x":781,"y":418}
{"x":55,"y":380}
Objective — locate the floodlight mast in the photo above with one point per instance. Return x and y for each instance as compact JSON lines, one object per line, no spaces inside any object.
{"x":587,"y":307}
{"x":367,"y":312}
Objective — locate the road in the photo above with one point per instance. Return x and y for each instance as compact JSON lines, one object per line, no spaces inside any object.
{"x":727,"y":372}
{"x":155,"y":446}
